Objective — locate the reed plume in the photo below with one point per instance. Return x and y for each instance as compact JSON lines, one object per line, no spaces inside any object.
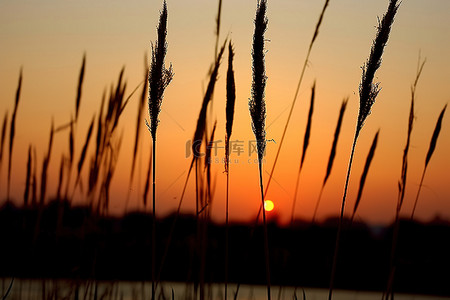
{"x":305,"y":147}
{"x":159,"y":79}
{"x":362,"y":181}
{"x":12,"y":131}
{"x":368,"y":91}
{"x":332,"y":154}
{"x":80,"y":86}
{"x":231,"y":99}
{"x":430,"y":152}
{"x":257,"y":107}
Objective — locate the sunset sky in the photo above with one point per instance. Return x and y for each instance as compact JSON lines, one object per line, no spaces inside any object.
{"x":48,"y":39}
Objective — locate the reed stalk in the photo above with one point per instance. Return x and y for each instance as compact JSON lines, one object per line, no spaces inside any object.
{"x":12,"y":132}
{"x":402,"y":186}
{"x":230,"y":104}
{"x":368,"y":91}
{"x":305,"y":147}
{"x":196,"y":146}
{"x":332,"y":154}
{"x":257,"y":107}
{"x":159,"y":79}
{"x":430,"y":152}
{"x":26,"y":194}
{"x":3,"y":136}
{"x":362,"y":181}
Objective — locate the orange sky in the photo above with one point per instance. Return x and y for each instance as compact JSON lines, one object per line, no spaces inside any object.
{"x":48,"y":40}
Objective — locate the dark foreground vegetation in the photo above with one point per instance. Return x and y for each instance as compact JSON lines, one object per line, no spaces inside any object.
{"x":85,"y":246}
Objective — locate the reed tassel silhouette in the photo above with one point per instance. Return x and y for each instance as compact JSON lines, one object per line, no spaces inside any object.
{"x":305,"y":147}
{"x":12,"y":132}
{"x":362,"y":181}
{"x":159,"y":79}
{"x":332,"y":154}
{"x":430,"y":152}
{"x":257,"y":107}
{"x":368,"y":91}
{"x":231,"y":99}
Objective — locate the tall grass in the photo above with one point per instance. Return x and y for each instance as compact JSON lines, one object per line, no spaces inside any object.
{"x":368,"y":91}
{"x":402,"y":185}
{"x":231,"y":99}
{"x":332,"y":154}
{"x":159,"y":79}
{"x":257,"y":107}
{"x":12,"y":131}
{"x":430,"y":152}
{"x":302,"y":73}
{"x":305,"y":147}
{"x":362,"y":181}
{"x":197,"y":142}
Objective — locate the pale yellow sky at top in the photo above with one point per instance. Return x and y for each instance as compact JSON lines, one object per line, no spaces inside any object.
{"x":49,"y":38}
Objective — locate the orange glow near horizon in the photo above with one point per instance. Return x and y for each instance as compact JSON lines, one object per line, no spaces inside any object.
{"x":48,"y":41}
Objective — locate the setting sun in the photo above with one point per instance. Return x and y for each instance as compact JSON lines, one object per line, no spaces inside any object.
{"x":268,"y":205}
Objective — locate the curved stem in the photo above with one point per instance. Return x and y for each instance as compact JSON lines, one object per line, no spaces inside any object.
{"x":266,"y":239}
{"x":418,"y":193}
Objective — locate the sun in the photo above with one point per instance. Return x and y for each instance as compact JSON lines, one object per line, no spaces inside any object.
{"x":268,"y":205}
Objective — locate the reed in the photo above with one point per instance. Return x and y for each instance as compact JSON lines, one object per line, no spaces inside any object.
{"x":80,"y":87}
{"x":12,"y":132}
{"x":2,"y":138}
{"x":45,"y":164}
{"x":362,"y":181}
{"x":147,"y":180}
{"x":332,"y":154}
{"x":430,"y":152}
{"x":231,"y":99}
{"x":83,"y":153}
{"x":196,"y":146}
{"x":402,"y":185}
{"x":60,"y":177}
{"x":159,"y":79}
{"x":368,"y":91}
{"x":305,"y":147}
{"x":257,"y":107}
{"x":26,"y":194}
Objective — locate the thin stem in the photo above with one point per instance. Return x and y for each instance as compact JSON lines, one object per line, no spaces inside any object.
{"x":296,"y":192}
{"x":266,"y":239}
{"x":338,"y":236}
{"x":317,"y":204}
{"x":226,"y":230}
{"x":305,"y":63}
{"x":153,"y":219}
{"x":418,"y":193}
